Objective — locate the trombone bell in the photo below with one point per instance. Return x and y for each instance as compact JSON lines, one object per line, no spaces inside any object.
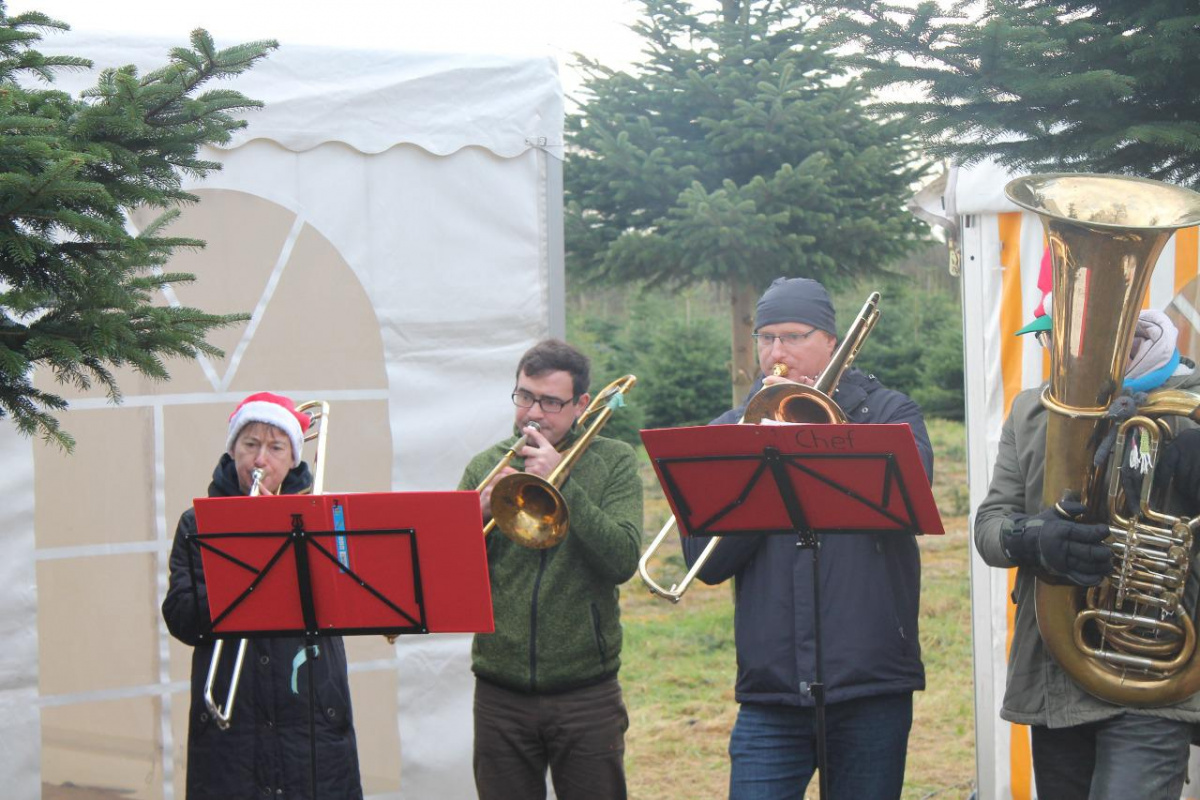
{"x":533,"y":511}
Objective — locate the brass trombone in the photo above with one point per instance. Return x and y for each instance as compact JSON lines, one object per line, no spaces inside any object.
{"x":318,"y":414}
{"x":529,"y":509}
{"x":781,"y":402}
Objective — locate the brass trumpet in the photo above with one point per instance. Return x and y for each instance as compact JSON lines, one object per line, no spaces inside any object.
{"x":318,"y":414}
{"x":781,"y":402}
{"x":529,"y":509}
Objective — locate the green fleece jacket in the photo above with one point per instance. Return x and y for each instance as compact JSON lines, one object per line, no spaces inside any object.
{"x":558,"y":622}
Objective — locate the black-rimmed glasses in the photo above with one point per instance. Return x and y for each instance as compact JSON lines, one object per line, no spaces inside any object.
{"x":551,"y":405}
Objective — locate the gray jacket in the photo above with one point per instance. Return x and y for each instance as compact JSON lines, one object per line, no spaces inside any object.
{"x":1038,"y":691}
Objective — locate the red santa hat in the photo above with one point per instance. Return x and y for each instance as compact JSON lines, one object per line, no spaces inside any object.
{"x":272,"y":409}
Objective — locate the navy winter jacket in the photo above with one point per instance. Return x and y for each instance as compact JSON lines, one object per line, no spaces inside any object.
{"x":870,"y":589}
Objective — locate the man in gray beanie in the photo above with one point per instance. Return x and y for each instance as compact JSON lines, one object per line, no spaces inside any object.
{"x":870,"y":595}
{"x":795,"y":326}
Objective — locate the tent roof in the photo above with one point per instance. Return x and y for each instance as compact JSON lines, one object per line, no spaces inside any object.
{"x":979,"y":189}
{"x":370,"y":100}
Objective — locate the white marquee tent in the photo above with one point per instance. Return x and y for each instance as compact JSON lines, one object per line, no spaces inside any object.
{"x":393,"y":221}
{"x":1000,"y":249}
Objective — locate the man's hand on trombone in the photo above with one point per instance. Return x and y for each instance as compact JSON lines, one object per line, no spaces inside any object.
{"x":540,"y":456}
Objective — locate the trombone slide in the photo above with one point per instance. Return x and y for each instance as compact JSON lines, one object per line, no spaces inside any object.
{"x":675,"y":593}
{"x":223,"y":716}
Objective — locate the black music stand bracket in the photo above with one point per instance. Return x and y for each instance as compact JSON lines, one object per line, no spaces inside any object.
{"x":305,"y":545}
{"x":805,"y":481}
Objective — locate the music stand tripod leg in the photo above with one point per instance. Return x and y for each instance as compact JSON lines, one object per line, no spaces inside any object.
{"x":301,"y":542}
{"x":806,"y":540}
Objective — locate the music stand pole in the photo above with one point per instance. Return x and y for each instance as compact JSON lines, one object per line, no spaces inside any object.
{"x":300,"y":543}
{"x":806,"y":540}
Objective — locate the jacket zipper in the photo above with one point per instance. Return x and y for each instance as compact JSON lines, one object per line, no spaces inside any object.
{"x":533,"y":614}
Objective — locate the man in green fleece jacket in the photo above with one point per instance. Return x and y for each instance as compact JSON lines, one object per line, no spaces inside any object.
{"x":546,"y":690}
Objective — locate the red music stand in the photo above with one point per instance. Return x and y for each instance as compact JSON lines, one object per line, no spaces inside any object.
{"x":344,"y":564}
{"x":805,"y":480}
{"x":733,"y":480}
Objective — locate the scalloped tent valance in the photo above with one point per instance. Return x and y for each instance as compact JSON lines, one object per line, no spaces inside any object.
{"x":370,"y":100}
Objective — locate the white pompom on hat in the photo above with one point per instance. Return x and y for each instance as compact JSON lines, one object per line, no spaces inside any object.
{"x":272,"y":409}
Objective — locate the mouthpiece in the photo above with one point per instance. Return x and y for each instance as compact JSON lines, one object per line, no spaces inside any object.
{"x":524,"y":440}
{"x":779,"y":370}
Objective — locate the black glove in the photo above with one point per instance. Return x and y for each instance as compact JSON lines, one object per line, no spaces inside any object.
{"x":1179,"y":463}
{"x":1064,"y":549}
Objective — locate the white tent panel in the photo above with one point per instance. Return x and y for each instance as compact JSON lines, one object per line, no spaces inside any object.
{"x":19,"y":716}
{"x":393,"y":223}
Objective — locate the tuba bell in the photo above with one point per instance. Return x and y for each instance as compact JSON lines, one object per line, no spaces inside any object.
{"x":1130,"y":640}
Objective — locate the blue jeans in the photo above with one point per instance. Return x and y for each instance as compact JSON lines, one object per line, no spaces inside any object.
{"x":773,"y":749}
{"x":1126,"y":756}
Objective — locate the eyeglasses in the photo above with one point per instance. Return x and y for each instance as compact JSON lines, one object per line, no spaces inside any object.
{"x":767,"y":340}
{"x":551,"y":405}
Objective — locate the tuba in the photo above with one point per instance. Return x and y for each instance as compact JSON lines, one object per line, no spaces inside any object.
{"x":1130,"y":640}
{"x":781,"y":402}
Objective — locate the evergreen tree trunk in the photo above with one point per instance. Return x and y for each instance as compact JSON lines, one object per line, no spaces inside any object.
{"x":744,"y":365}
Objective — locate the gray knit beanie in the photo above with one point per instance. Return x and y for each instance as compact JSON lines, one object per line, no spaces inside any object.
{"x":796,"y":300}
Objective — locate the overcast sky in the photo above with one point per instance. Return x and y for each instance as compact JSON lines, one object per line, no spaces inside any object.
{"x":596,"y":28}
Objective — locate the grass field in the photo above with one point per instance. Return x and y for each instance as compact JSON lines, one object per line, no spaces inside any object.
{"x":679,"y":663}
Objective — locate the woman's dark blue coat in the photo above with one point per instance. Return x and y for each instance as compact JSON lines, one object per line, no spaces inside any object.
{"x":265,"y":752}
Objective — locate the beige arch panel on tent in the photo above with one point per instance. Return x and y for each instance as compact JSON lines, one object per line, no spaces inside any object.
{"x":114,"y":686}
{"x":394,"y":223}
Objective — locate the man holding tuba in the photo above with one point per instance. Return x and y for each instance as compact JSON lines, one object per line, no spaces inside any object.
{"x":870,"y":593}
{"x":546,"y":690}
{"x":1083,"y":746}
{"x":265,"y":751}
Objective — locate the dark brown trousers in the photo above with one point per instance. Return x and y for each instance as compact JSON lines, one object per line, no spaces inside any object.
{"x":578,"y":735}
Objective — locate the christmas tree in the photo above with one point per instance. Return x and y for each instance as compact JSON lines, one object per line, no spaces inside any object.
{"x":77,"y":287}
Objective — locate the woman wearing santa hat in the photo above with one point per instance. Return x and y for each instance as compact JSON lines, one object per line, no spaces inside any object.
{"x":265,"y":752}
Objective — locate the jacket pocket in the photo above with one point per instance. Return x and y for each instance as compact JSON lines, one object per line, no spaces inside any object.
{"x":598,"y":631}
{"x":332,"y":688}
